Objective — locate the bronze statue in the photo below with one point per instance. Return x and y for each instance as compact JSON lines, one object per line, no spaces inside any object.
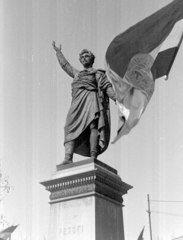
{"x":87,"y":127}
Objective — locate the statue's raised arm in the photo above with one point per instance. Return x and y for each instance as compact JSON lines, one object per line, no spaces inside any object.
{"x":63,"y":61}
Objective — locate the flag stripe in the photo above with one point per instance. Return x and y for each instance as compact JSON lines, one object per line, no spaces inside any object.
{"x":174,"y":37}
{"x":163,"y":62}
{"x":168,"y":51}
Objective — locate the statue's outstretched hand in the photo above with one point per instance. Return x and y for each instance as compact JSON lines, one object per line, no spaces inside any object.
{"x":57,"y":49}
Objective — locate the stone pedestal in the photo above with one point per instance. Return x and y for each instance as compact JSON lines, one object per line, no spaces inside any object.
{"x":86,"y":202}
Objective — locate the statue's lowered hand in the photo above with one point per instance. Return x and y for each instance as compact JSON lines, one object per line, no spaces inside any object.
{"x":57,"y":49}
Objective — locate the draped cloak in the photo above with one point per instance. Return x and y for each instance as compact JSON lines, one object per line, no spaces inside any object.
{"x":89,"y":101}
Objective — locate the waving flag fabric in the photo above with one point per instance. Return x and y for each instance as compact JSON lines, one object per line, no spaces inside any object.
{"x":143,"y":53}
{"x":6,"y":233}
{"x":141,"y":235}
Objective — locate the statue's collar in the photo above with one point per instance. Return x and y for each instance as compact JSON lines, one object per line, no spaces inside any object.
{"x":89,"y":70}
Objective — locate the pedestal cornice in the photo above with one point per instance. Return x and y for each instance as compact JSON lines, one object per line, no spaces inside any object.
{"x":88,"y":178}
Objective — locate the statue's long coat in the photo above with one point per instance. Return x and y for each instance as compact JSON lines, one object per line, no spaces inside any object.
{"x":90,"y":100}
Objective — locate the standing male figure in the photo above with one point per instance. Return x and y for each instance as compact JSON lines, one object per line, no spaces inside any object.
{"x":87,"y":127}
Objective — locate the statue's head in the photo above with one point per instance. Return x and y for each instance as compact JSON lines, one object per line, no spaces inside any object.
{"x":86,"y":58}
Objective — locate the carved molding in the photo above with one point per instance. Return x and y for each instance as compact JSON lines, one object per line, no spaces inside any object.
{"x":95,"y":181}
{"x":70,"y":183}
{"x":72,"y":191}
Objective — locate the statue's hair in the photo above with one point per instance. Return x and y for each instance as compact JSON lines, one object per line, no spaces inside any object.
{"x":89,"y":52}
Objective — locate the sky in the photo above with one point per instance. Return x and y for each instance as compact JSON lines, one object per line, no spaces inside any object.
{"x":35,"y":95}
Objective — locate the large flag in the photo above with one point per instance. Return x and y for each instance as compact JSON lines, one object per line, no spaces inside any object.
{"x":141,"y":235}
{"x":6,"y":233}
{"x":143,"y":53}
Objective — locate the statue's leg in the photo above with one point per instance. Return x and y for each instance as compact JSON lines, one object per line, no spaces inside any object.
{"x":94,"y":139}
{"x":69,"y":149}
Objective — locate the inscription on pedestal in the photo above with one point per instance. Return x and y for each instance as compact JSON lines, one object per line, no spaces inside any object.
{"x":72,"y":220}
{"x":74,"y":231}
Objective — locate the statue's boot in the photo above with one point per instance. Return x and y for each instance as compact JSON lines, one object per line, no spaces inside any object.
{"x":69,"y":149}
{"x":94,"y":143}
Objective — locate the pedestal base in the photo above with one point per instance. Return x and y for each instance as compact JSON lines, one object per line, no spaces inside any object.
{"x":86,"y":202}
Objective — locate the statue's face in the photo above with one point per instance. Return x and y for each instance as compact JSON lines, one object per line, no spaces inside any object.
{"x":86,"y":60}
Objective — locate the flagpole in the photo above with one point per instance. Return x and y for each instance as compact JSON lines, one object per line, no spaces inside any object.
{"x":149,"y":213}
